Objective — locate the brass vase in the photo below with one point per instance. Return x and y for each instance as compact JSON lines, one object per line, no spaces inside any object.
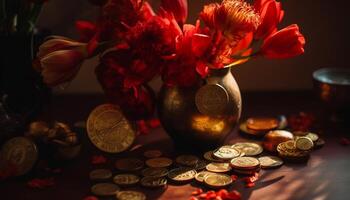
{"x":188,"y":125}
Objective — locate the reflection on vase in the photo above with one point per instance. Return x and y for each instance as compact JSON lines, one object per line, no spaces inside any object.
{"x":188,"y":127}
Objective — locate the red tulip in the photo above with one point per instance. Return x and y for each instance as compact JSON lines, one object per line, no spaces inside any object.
{"x":286,"y":43}
{"x":234,"y":18}
{"x":178,"y":7}
{"x":60,"y":59}
{"x":271,"y":14}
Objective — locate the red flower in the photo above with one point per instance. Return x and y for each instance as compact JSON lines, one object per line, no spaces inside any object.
{"x":179,"y":8}
{"x":271,"y":14}
{"x":41,"y":183}
{"x":234,"y":195}
{"x":234,"y":18}
{"x":286,"y":43}
{"x":86,"y":30}
{"x":97,"y":160}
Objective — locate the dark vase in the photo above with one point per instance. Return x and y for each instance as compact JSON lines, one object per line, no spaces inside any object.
{"x":194,"y":130}
{"x":22,"y":92}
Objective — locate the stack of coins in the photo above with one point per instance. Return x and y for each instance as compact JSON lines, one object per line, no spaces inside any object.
{"x":259,"y":126}
{"x":245,"y":165}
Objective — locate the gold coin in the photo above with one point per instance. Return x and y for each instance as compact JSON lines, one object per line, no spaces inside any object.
{"x":209,"y":156}
{"x":267,"y":162}
{"x":218,"y":167}
{"x":109,"y":130}
{"x":304,"y":143}
{"x":152,"y":154}
{"x":291,"y":154}
{"x":248,"y":148}
{"x":313,"y":136}
{"x":159,"y":162}
{"x":130,"y":195}
{"x":245,"y":163}
{"x":246,"y":172}
{"x":153,"y":182}
{"x":187,"y":160}
{"x":201,"y":175}
{"x":243,"y":128}
{"x":100,"y":174}
{"x":201,"y":165}
{"x":126,"y":179}
{"x":104,"y":189}
{"x":182,"y":174}
{"x":218,"y":180}
{"x":212,"y":99}
{"x":290,"y":144}
{"x":129,"y":164}
{"x":226,"y":153}
{"x":155,"y":172}
{"x":21,"y":152}
{"x":262,"y":124}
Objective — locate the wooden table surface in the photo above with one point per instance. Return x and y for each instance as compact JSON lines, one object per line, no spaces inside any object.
{"x":325,"y":176}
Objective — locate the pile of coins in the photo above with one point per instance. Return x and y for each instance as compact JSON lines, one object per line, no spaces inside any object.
{"x":259,"y":126}
{"x":299,"y":148}
{"x":156,"y":171}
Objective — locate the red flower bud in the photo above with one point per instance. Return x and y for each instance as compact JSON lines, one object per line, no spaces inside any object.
{"x":179,"y":8}
{"x":286,"y":43}
{"x":271,"y":14}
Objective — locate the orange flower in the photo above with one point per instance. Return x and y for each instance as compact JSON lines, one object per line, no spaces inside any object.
{"x":234,"y":18}
{"x":60,"y":60}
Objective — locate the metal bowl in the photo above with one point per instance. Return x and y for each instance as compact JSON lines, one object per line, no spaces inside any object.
{"x":332,"y":87}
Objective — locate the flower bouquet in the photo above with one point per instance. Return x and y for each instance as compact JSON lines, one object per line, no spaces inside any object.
{"x":135,"y":44}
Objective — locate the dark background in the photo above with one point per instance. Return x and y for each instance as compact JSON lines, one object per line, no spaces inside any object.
{"x":324,"y":24}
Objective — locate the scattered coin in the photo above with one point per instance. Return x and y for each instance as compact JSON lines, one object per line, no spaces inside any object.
{"x":262,"y":124}
{"x":155,"y":172}
{"x":100,"y":174}
{"x":209,"y":156}
{"x":201,"y":165}
{"x":201,"y":175}
{"x":153,"y":182}
{"x":218,"y":167}
{"x":275,"y":137}
{"x":187,"y":160}
{"x":109,"y":130}
{"x":152,"y":154}
{"x":212,"y":99}
{"x":218,"y":180}
{"x":268,"y":162}
{"x":226,"y":153}
{"x":245,"y":163}
{"x":126,"y":179}
{"x":304,"y":143}
{"x":129,"y":164}
{"x":313,"y":136}
{"x":130,"y":195}
{"x":104,"y":189}
{"x":159,"y":162}
{"x":290,"y":144}
{"x":182,"y":174}
{"x":20,"y":152}
{"x":248,"y":148}
{"x":243,"y":128}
